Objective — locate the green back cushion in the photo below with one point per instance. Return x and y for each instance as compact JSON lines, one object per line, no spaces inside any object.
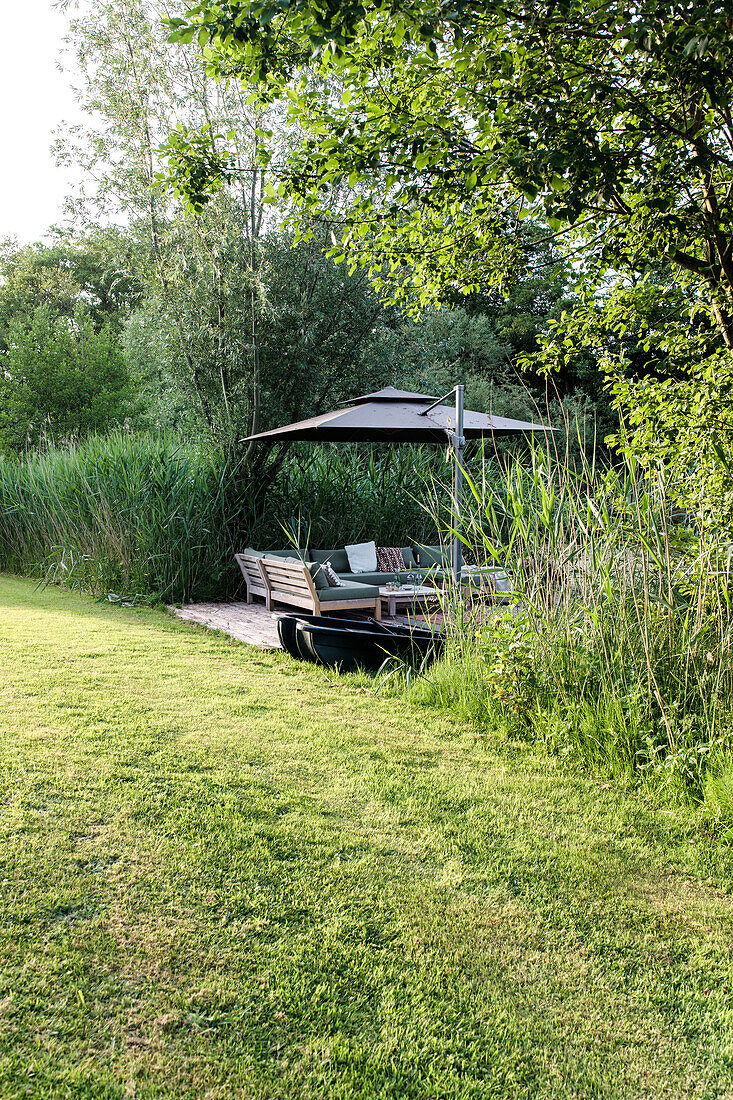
{"x":408,"y":557}
{"x":277,"y":553}
{"x":338,"y":559}
{"x":320,"y":579}
{"x":431,"y":555}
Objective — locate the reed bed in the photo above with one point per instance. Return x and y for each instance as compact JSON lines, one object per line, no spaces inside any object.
{"x":143,"y":516}
{"x":615,"y":647}
{"x":335,"y":496}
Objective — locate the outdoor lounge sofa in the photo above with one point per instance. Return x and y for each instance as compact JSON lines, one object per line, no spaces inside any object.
{"x":429,"y":564}
{"x":283,"y":578}
{"x":265,"y":576}
{"x":424,"y":562}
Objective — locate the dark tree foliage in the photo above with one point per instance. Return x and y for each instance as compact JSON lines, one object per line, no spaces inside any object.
{"x":610,"y":122}
{"x":63,"y":275}
{"x":60,"y":379}
{"x":464,"y":117}
{"x":320,"y":330}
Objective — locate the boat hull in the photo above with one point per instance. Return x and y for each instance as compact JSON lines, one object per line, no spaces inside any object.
{"x":348,"y":650}
{"x":288,"y":636}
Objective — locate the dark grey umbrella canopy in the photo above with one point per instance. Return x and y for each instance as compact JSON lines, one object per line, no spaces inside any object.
{"x":392,"y":415}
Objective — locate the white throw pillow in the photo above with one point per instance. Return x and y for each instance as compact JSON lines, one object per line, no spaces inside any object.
{"x":362,"y":557}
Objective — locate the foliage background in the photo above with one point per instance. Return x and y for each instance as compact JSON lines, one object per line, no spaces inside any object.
{"x":236,"y":263}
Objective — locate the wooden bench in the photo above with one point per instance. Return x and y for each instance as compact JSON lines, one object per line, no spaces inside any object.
{"x":253,"y":580}
{"x":291,"y":583}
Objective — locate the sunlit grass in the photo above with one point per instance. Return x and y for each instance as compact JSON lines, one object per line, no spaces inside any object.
{"x":226,"y":874}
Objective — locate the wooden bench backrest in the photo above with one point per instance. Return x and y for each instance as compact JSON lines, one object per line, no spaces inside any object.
{"x":250,"y":566}
{"x":290,"y":582}
{"x":291,"y":578}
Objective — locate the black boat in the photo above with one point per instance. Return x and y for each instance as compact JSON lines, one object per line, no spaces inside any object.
{"x":348,"y":649}
{"x":286,"y":632}
{"x":289,"y":640}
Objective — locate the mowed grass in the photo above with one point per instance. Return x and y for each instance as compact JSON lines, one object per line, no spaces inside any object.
{"x":228,"y":875}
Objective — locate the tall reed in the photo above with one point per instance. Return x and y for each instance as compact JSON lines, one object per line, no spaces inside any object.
{"x":152,"y":516}
{"x":616,"y":644}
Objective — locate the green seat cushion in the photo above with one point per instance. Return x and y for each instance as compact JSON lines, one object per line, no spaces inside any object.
{"x":366,"y":578}
{"x":473,"y":580}
{"x":338,"y":558}
{"x":349,"y":592}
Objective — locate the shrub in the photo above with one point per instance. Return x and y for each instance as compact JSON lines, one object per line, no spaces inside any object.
{"x":616,"y":649}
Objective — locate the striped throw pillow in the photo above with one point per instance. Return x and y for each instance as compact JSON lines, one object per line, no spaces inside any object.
{"x":331,"y":576}
{"x":389,"y":559}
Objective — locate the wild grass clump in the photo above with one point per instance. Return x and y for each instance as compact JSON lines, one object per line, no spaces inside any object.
{"x":615,"y":647}
{"x":151,"y":516}
{"x":122,"y":514}
{"x":333,"y":496}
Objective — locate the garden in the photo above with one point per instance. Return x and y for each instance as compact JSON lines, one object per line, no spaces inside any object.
{"x":506,"y":873}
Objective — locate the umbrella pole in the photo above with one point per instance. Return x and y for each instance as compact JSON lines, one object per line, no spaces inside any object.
{"x":458,"y":445}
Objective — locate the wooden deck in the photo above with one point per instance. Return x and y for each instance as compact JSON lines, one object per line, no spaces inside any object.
{"x":248,"y":622}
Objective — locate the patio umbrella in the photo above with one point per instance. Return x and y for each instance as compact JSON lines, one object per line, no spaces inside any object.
{"x":398,"y":416}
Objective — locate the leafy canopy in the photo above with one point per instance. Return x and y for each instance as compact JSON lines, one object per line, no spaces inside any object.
{"x":69,"y":273}
{"x":431,"y":129}
{"x":611,"y":121}
{"x":60,"y":378}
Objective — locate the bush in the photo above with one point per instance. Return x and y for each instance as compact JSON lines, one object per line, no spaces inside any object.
{"x":60,"y":378}
{"x":616,"y":650}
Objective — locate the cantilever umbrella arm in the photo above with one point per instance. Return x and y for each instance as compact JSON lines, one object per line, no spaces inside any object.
{"x":457,"y":441}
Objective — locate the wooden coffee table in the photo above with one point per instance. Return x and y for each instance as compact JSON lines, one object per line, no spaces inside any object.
{"x":409,"y":595}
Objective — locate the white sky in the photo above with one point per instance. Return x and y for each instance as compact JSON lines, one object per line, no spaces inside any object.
{"x":34,"y":99}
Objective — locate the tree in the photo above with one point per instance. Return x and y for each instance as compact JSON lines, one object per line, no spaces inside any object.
{"x":322,"y":330}
{"x":202,"y":274}
{"x":464,"y":118}
{"x":245,"y":328}
{"x":318,"y":333}
{"x":59,"y":378}
{"x":70,"y":272}
{"x":610,"y":122}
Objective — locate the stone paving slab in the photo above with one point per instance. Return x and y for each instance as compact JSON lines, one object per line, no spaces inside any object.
{"x":251,"y":622}
{"x":247,"y":622}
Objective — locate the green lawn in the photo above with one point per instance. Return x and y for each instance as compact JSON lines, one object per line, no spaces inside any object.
{"x":228,"y":875}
